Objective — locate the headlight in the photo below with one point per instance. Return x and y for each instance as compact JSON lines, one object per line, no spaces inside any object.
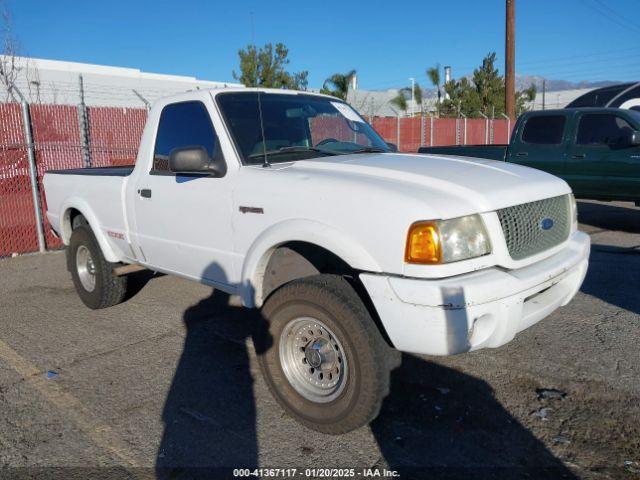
{"x":574,"y":213}
{"x":446,"y":241}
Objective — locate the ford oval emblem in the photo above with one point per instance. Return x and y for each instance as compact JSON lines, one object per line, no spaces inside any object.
{"x":546,"y":223}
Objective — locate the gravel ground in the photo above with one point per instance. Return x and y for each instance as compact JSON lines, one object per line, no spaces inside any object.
{"x":166,"y":385}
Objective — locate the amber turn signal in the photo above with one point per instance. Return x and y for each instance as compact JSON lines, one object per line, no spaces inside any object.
{"x":423,"y":244}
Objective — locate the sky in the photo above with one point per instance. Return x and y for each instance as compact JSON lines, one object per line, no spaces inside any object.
{"x":386,"y":42}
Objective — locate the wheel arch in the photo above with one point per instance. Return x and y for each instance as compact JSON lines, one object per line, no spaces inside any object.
{"x":71,"y":210}
{"x":307,"y":239}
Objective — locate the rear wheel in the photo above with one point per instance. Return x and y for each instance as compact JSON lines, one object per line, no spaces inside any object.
{"x":91,"y":272}
{"x":326,"y":362}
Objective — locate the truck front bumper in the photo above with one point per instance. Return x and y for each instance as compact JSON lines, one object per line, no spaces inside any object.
{"x":483,"y":309}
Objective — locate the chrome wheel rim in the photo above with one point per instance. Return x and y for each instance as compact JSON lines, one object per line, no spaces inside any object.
{"x":86,"y":268}
{"x":313,"y":359}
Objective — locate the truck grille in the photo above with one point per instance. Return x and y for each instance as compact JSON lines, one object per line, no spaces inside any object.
{"x":534,"y":227}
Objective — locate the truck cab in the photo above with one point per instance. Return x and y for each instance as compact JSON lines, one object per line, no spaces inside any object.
{"x":595,"y":150}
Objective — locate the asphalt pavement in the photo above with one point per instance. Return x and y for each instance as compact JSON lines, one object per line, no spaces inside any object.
{"x":166,"y":385}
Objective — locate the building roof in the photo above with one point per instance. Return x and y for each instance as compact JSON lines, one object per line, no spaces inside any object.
{"x":378,"y":102}
{"x":557,"y":99}
{"x":58,"y":82}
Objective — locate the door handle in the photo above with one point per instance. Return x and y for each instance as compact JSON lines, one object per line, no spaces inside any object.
{"x":145,"y":192}
{"x":579,"y":155}
{"x":522,"y":154}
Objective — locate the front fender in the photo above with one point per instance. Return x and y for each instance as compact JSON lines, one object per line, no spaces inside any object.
{"x":298,"y":230}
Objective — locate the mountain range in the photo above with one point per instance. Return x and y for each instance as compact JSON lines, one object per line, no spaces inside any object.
{"x":524,"y":81}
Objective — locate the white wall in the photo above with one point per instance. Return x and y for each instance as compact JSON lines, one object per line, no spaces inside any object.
{"x":52,"y":81}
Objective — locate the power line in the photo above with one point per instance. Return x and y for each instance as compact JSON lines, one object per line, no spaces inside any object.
{"x":613,"y":12}
{"x":583,"y":62}
{"x":610,"y":17}
{"x":608,"y":68}
{"x":586,"y":55}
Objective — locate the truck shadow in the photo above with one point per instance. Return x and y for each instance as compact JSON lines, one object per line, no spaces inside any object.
{"x":609,"y":217}
{"x":436,"y":422}
{"x":614,"y":271}
{"x":614,"y":276}
{"x":137,"y":281}
{"x":209,"y":414}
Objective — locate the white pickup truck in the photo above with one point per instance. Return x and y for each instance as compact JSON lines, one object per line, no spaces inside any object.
{"x":353,"y":251}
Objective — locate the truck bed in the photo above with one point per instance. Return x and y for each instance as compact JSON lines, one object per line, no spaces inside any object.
{"x":103,"y":189}
{"x":491,"y":152}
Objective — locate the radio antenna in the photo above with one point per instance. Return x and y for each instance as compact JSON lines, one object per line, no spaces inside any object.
{"x":265,"y":158}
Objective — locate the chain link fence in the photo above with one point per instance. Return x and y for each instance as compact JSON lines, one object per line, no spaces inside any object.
{"x":18,"y":231}
{"x":60,"y":138}
{"x":410,"y":133}
{"x":67,"y":136}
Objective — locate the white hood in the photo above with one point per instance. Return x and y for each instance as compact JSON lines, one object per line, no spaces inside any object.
{"x":483,"y":185}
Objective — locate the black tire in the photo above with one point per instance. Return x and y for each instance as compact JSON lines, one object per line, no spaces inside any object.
{"x":333,"y":301}
{"x":108,"y":290}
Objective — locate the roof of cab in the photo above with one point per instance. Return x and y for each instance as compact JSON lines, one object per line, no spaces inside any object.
{"x":217,"y":91}
{"x":567,"y":111}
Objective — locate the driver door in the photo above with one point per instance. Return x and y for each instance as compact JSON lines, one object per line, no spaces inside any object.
{"x":183,"y":222}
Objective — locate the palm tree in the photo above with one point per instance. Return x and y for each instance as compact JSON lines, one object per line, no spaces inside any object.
{"x":338,"y":84}
{"x":417,"y":94}
{"x":434,"y":75}
{"x":400,"y":100}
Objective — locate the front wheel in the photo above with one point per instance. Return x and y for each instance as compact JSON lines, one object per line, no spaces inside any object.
{"x":326,"y":363}
{"x":91,"y":272}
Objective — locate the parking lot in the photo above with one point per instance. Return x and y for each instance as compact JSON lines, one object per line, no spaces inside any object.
{"x":167,"y":381}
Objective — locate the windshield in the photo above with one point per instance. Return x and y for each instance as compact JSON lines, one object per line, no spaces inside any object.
{"x":294,"y":127}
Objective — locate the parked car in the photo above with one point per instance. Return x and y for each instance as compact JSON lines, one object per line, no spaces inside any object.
{"x":596,"y":150}
{"x":295,"y":204}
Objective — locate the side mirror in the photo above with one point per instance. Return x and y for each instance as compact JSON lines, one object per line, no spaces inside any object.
{"x":392,"y":146}
{"x":195,"y":160}
{"x":633,"y":140}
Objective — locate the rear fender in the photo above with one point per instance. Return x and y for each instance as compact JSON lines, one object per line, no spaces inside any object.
{"x":86,"y":211}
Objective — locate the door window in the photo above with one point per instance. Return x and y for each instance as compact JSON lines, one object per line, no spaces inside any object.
{"x":184,"y":124}
{"x":544,"y":129}
{"x":602,"y":129}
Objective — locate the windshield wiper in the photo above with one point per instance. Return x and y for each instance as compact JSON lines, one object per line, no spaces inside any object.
{"x":369,"y":150}
{"x":291,"y":149}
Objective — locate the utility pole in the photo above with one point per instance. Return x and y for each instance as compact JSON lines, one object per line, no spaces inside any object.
{"x":413,"y":96}
{"x":510,"y":62}
{"x":33,"y":169}
{"x":544,"y":93}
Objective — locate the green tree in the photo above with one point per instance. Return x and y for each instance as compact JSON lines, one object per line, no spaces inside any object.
{"x":400,"y":101}
{"x":433,"y":74}
{"x":406,"y":93}
{"x":489,"y":86}
{"x":525,"y":96}
{"x":266,"y":67}
{"x":418,"y":94}
{"x":483,"y":93}
{"x":338,"y":84}
{"x":462,"y":99}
